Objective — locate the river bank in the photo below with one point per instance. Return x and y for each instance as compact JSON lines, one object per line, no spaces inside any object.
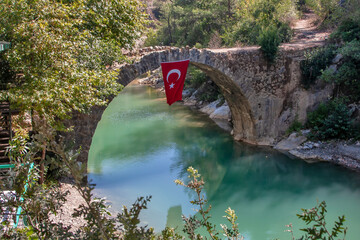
{"x":339,"y":152}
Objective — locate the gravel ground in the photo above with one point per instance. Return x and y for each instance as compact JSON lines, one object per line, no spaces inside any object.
{"x":74,"y":200}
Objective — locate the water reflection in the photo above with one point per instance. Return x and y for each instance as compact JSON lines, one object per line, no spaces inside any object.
{"x":141,"y":145}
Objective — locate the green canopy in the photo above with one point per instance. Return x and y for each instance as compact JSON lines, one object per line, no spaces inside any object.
{"x":4,"y":45}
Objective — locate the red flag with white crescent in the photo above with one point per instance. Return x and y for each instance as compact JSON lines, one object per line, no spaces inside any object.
{"x":174,"y":74}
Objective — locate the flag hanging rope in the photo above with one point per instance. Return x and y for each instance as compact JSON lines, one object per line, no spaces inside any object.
{"x":174,"y":74}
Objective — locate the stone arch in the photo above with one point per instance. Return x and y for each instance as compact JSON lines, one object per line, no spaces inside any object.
{"x":243,"y":121}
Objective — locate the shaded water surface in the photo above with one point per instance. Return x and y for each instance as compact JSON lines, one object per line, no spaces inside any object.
{"x":141,"y":145}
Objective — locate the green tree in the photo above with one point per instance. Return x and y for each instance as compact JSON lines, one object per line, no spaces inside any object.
{"x":214,"y":23}
{"x":189,"y":22}
{"x":59,"y":63}
{"x":331,"y":120}
{"x":60,"y":50}
{"x":269,"y":41}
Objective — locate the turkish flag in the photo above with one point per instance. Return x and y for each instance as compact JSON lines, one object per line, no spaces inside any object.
{"x":174,"y":74}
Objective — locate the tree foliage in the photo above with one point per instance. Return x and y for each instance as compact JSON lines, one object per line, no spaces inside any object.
{"x":346,"y":76}
{"x":315,"y":62}
{"x":229,"y":22}
{"x":319,"y":230}
{"x":189,"y":22}
{"x":331,"y":120}
{"x":269,"y":41}
{"x":60,"y":50}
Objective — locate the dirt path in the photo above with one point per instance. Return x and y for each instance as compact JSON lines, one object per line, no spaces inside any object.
{"x":307,"y":33}
{"x":306,"y":29}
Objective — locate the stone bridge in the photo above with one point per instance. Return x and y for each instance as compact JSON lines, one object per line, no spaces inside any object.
{"x":264,"y":98}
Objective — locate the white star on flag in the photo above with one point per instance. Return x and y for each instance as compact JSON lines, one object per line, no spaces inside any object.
{"x":171,"y":85}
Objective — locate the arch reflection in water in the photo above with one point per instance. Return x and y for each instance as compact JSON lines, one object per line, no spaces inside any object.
{"x":141,"y":146}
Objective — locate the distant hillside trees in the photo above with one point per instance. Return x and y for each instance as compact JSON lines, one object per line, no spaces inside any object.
{"x":216,"y":23}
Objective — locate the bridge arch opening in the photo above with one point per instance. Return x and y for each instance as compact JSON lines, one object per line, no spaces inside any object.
{"x":242,"y":117}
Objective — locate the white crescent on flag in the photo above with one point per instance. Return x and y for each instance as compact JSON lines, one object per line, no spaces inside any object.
{"x":177,"y":71}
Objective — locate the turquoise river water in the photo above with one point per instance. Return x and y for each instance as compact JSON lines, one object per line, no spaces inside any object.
{"x":141,"y":145}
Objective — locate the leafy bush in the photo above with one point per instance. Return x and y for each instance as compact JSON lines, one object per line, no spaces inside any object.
{"x":296,"y":126}
{"x":319,"y":230}
{"x":348,"y":30}
{"x":301,"y":5}
{"x":195,"y":78}
{"x":315,"y":61}
{"x":337,"y":125}
{"x":151,"y":38}
{"x":188,"y":22}
{"x":236,"y":22}
{"x":195,"y":222}
{"x":347,"y":76}
{"x":317,"y":117}
{"x":345,"y":73}
{"x":198,"y":45}
{"x":269,"y":41}
{"x":245,"y":32}
{"x":328,"y":10}
{"x":285,"y":32}
{"x":129,"y":218}
{"x":356,"y":134}
{"x":253,"y":17}
{"x":210,"y":97}
{"x":330,"y":120}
